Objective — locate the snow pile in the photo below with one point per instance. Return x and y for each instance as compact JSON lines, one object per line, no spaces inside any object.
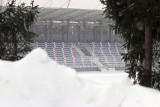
{"x":37,"y":81}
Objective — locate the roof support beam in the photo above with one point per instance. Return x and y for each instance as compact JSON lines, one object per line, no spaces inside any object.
{"x":68,"y":29}
{"x":62,"y":31}
{"x":84,"y":30}
{"x":79,"y":31}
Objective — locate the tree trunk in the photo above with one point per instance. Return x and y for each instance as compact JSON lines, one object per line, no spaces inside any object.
{"x":146,"y":77}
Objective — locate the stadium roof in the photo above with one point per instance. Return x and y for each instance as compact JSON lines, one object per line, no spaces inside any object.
{"x":61,"y":14}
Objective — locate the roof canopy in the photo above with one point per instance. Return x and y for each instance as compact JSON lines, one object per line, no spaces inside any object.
{"x":76,"y":15}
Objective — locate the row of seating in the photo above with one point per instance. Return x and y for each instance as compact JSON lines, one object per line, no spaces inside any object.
{"x":108,"y":53}
{"x":64,"y":53}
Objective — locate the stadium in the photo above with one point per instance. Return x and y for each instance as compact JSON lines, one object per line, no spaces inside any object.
{"x":82,"y":39}
{"x":79,"y":38}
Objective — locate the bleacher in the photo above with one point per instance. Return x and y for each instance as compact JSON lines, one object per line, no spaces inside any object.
{"x":79,"y":42}
{"x":108,"y":54}
{"x":65,"y":53}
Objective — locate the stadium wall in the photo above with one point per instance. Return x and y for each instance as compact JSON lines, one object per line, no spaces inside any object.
{"x":74,"y":32}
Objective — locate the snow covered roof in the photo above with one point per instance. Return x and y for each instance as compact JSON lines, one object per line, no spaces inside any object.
{"x":60,"y":14}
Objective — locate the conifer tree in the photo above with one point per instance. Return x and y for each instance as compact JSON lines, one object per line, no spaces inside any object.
{"x":15,"y":34}
{"x":137,"y":21}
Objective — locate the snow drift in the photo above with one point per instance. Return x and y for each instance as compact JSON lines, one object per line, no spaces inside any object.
{"x":38,"y":81}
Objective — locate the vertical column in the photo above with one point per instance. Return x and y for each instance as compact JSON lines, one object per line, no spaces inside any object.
{"x":62,"y":31}
{"x":94,"y":32}
{"x":101,"y":31}
{"x":68,"y":29}
{"x":109,"y":33}
{"x":46,"y":31}
{"x":84,"y":30}
{"x":79,"y":31}
{"x":50,"y":31}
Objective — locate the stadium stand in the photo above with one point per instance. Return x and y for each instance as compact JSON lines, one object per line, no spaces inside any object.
{"x":108,"y":55}
{"x":79,"y":38}
{"x":65,"y":53}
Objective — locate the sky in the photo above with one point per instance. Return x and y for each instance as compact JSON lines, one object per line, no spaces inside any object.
{"x":80,"y":4}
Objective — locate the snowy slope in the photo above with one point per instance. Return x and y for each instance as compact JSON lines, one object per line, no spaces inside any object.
{"x":37,"y":81}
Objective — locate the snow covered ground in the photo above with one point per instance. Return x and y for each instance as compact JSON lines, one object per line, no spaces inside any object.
{"x":37,"y":81}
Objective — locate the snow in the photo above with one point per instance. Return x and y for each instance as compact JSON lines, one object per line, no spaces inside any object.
{"x":38,"y":81}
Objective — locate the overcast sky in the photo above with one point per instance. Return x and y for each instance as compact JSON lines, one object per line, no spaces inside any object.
{"x":83,"y":4}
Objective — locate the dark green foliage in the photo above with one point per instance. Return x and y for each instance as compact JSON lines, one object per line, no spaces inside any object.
{"x":156,"y":66}
{"x":15,"y":36}
{"x":137,"y":21}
